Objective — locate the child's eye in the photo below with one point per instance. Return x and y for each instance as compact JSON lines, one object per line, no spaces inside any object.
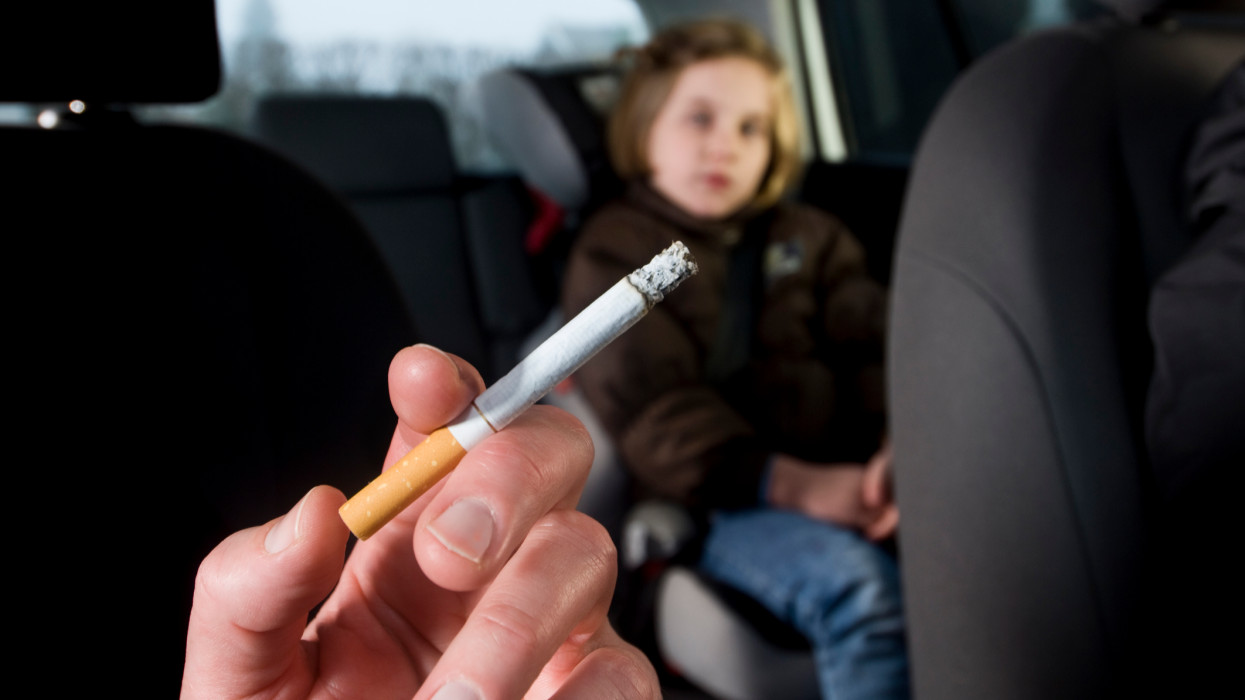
{"x":701,"y":119}
{"x":752,"y":128}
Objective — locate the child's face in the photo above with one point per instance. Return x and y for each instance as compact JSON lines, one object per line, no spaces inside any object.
{"x":709,"y":145}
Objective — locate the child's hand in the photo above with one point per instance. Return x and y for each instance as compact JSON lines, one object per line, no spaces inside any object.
{"x":878,"y":496}
{"x":848,"y":494}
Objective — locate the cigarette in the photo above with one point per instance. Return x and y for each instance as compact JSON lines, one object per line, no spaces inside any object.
{"x":553,"y":361}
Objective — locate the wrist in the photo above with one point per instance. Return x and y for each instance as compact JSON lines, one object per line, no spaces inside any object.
{"x":783,"y":482}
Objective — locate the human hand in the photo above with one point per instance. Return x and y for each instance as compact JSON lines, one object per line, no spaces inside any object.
{"x":878,"y":496}
{"x":848,"y":494}
{"x":489,"y":586}
{"x":829,"y":492}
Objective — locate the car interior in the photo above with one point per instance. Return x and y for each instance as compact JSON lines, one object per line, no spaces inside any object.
{"x":205,"y":318}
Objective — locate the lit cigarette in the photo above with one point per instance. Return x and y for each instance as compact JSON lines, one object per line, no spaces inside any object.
{"x":564,"y":352}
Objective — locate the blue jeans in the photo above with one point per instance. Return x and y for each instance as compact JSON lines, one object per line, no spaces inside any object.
{"x":839,"y":590}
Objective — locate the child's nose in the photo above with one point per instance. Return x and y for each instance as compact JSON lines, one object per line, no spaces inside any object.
{"x":723,"y":143}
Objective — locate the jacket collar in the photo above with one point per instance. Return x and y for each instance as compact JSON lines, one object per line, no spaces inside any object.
{"x":728,"y":231}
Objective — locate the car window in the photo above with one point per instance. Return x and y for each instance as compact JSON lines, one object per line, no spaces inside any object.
{"x":893,"y":59}
{"x":400,"y":47}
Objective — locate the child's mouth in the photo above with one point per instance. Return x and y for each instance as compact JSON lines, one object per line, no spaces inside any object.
{"x":717,"y":181}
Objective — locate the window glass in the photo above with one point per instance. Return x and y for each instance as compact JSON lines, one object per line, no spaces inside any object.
{"x":893,"y":59}
{"x":16,"y":115}
{"x":400,"y":47}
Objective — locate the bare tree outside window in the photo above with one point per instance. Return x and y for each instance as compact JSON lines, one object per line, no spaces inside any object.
{"x":268,"y":47}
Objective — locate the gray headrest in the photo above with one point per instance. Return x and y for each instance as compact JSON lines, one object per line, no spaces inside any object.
{"x":551,"y":126}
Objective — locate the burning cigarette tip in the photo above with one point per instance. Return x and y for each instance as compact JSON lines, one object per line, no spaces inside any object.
{"x":666,"y":271}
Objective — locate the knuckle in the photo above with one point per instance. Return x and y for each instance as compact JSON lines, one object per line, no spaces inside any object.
{"x":510,"y":626}
{"x":627,"y":673}
{"x":587,"y":539}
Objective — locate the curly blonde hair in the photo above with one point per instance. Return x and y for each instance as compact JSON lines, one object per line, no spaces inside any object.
{"x":656,"y":67}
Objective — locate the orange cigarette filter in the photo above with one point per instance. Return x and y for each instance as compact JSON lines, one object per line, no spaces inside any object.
{"x":400,"y":485}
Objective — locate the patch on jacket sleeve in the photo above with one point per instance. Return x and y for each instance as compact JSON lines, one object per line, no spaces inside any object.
{"x":782,"y":258}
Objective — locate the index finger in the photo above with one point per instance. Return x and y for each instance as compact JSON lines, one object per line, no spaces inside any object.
{"x":428,"y":388}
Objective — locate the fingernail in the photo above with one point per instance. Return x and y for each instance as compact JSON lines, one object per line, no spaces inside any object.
{"x":465,"y":528}
{"x":285,"y":532}
{"x":457,"y":690}
{"x":457,"y":371}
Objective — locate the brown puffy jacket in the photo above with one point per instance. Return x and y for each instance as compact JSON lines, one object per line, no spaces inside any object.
{"x":810,"y":384}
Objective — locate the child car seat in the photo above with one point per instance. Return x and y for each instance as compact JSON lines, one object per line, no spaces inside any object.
{"x":550,"y":123}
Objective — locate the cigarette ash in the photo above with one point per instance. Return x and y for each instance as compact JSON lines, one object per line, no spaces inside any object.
{"x":665,"y":272}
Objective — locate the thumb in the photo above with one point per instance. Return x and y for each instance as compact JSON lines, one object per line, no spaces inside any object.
{"x":252,"y":597}
{"x":875,"y":486}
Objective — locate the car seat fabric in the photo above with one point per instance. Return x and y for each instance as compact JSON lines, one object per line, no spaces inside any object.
{"x":1196,"y":400}
{"x":1043,"y":202}
{"x":391,"y":160}
{"x":216,"y":328}
{"x":513,"y":298}
{"x":551,"y":125}
{"x":203,"y":333}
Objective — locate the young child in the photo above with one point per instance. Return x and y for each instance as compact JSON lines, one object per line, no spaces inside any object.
{"x":754,"y":393}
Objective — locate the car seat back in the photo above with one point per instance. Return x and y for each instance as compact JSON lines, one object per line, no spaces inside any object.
{"x":390,"y":158}
{"x":203,"y":332}
{"x":1044,"y":200}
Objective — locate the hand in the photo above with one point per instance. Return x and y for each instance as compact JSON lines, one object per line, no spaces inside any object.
{"x":878,"y":496}
{"x":848,"y":494}
{"x":488,"y":586}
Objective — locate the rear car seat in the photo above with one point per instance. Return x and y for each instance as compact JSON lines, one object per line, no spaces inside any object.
{"x":454,"y":244}
{"x":390,"y":159}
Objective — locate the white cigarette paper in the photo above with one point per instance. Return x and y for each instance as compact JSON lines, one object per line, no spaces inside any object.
{"x":564,"y":352}
{"x":568,"y":349}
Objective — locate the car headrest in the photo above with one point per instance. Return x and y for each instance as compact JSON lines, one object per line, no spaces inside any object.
{"x":134,"y":52}
{"x":361,"y":145}
{"x":550,"y":124}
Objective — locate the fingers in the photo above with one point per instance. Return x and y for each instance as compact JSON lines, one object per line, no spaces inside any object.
{"x":615,"y":671}
{"x":544,"y":617}
{"x":881,"y":513}
{"x":498,"y":492}
{"x":428,"y":389}
{"x":884,"y":523}
{"x":876,"y":487}
{"x":252,"y":597}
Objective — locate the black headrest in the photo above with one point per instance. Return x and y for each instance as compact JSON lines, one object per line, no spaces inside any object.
{"x":550,"y":123}
{"x":361,"y":145}
{"x":138,"y":51}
